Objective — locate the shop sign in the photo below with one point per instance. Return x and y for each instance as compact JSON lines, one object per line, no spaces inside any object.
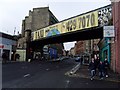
{"x":108,"y":31}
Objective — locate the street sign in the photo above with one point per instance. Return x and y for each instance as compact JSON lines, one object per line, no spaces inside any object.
{"x":109,"y":31}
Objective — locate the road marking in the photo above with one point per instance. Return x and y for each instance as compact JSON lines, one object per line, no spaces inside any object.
{"x":67,"y":83}
{"x":24,"y":67}
{"x":26,"y":75}
{"x":67,"y":73}
{"x":47,"y":69}
{"x":73,"y":70}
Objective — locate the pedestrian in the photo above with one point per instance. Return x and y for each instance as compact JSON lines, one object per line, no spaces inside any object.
{"x":101,"y":68}
{"x":4,"y":57}
{"x":107,"y":66}
{"x":17,"y":56}
{"x":92,"y":68}
{"x":97,"y":61}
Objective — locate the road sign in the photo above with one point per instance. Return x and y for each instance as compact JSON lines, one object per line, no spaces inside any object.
{"x":109,"y":31}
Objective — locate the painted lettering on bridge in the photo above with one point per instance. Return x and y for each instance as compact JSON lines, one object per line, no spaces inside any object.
{"x":81,"y":22}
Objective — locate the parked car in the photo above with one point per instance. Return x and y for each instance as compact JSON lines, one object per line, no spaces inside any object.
{"x":77,"y":59}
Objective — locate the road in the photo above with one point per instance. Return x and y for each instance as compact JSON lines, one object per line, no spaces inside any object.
{"x":47,"y":75}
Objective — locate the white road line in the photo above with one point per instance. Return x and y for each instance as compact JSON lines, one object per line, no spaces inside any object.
{"x":47,"y":69}
{"x":24,"y":67}
{"x":67,"y":83}
{"x":26,"y":75}
{"x":73,"y":70}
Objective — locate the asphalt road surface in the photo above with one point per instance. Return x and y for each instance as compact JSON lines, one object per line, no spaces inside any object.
{"x":47,"y":75}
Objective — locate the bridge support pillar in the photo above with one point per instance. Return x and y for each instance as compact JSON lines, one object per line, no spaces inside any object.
{"x":28,"y":40}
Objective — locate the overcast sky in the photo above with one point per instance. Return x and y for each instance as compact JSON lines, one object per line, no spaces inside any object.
{"x":12,"y":12}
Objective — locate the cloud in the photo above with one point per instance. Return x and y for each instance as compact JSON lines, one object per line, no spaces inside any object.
{"x":14,"y":11}
{"x":56,"y":0}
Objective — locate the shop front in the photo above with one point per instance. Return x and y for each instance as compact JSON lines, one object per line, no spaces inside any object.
{"x":7,"y":45}
{"x":104,"y":47}
{"x":7,"y":50}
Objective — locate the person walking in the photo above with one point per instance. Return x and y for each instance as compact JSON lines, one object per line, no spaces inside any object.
{"x":97,"y":61}
{"x":101,"y":68}
{"x":107,"y":66}
{"x":92,"y":68}
{"x":4,"y":57}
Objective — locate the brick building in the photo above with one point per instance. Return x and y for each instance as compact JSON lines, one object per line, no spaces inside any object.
{"x":116,"y":46}
{"x":79,"y":47}
{"x":37,"y":19}
{"x":87,"y":46}
{"x":86,"y":49}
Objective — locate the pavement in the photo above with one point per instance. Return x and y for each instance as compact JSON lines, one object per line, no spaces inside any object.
{"x":83,"y":72}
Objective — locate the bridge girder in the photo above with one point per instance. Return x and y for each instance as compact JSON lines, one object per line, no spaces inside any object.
{"x":87,"y":34}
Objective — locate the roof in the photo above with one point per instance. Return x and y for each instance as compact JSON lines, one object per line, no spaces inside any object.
{"x":4,"y":35}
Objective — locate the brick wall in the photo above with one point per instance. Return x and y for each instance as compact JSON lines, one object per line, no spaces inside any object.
{"x":40,"y":18}
{"x":79,"y":47}
{"x":113,"y":62}
{"x":116,"y":22}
